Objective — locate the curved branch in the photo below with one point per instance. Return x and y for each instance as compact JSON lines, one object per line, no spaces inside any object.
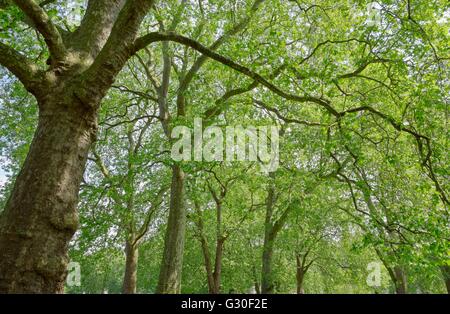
{"x":285,"y":119}
{"x":143,"y":41}
{"x":19,"y":65}
{"x":45,"y":26}
{"x":362,"y":68}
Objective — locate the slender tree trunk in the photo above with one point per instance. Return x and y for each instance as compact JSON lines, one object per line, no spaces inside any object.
{"x":446,"y":274}
{"x":131,"y":263}
{"x":212,"y":276}
{"x":218,"y":266}
{"x":172,"y":262}
{"x":208,"y":265}
{"x":300,"y":276}
{"x":400,"y":282}
{"x":267,"y":285}
{"x":40,"y":216}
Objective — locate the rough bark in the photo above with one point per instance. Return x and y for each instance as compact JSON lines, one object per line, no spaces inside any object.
{"x":171,"y":266}
{"x":131,"y":263}
{"x":40,"y":216}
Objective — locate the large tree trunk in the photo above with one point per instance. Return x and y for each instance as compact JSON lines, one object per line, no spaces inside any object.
{"x":131,"y":263}
{"x":172,"y":262}
{"x":446,"y":274}
{"x":40,"y":216}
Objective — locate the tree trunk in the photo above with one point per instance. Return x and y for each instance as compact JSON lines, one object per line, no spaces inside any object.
{"x":131,"y":263}
{"x":208,"y":266}
{"x":172,"y":262}
{"x":40,"y":216}
{"x":213,"y":276}
{"x":267,"y":285}
{"x":218,"y":266}
{"x":446,"y":274}
{"x":400,"y":282}
{"x":300,"y":276}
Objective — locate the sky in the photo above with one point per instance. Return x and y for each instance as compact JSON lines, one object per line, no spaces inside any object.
{"x":2,"y":172}
{"x":2,"y":178}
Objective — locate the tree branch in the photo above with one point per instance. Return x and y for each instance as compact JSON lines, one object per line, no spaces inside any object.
{"x":23,"y":68}
{"x":96,"y":26}
{"x":215,"y":110}
{"x":45,"y":26}
{"x":115,"y":53}
{"x":285,"y":119}
{"x":144,"y":228}
{"x":362,"y":68}
{"x":143,"y":41}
